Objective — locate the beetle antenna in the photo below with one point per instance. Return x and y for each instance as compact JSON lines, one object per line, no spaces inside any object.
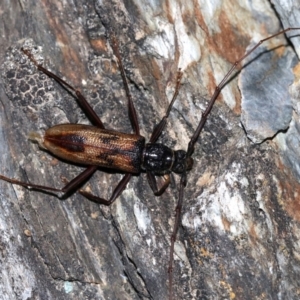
{"x":191,"y":147}
{"x":220,"y":86}
{"x":174,"y":232}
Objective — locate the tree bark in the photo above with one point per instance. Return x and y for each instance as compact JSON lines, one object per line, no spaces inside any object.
{"x":239,"y":231}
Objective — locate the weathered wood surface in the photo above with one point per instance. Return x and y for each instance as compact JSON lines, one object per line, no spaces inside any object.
{"x":239,"y":237}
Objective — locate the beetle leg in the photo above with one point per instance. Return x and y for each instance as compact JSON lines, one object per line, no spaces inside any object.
{"x":72,"y":186}
{"x":153,"y":183}
{"x":116,"y":193}
{"x":161,"y":125}
{"x":75,"y":183}
{"x":131,"y":109}
{"x":88,"y":110}
{"x":30,"y":186}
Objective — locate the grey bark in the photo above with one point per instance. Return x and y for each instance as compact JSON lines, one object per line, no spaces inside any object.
{"x":240,"y":222}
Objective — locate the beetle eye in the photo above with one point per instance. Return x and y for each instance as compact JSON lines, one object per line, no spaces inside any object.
{"x":181,"y":162}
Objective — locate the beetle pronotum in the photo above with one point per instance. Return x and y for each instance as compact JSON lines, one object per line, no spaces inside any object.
{"x":95,"y":146}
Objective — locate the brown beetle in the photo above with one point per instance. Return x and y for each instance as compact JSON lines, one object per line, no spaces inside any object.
{"x":95,"y":146}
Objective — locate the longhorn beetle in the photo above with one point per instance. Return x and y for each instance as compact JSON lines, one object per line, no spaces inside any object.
{"x":94,"y":146}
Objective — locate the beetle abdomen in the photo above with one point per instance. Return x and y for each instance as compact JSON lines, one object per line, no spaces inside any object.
{"x":90,"y":145}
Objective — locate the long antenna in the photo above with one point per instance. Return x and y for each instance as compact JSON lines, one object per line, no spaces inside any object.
{"x":191,"y":147}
